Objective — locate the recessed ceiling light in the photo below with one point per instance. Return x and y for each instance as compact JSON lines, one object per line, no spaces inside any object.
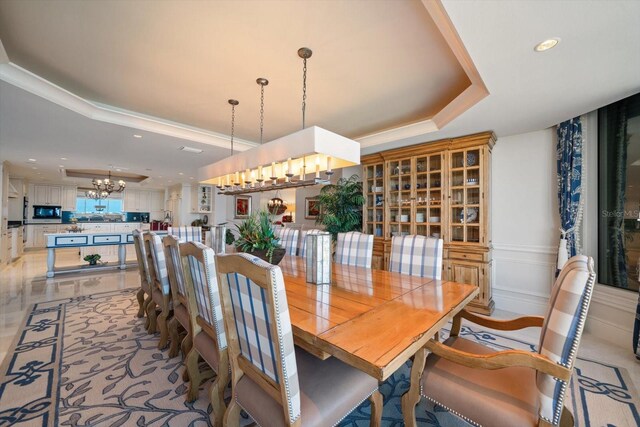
{"x":63,"y":158}
{"x":60,"y":166}
{"x":547,"y":44}
{"x":32,"y":160}
{"x":170,"y":181}
{"x":34,"y":167}
{"x":191,"y":150}
{"x":135,"y":135}
{"x":159,"y":176}
{"x":118,"y":170}
{"x":190,"y":177}
{"x":180,"y":173}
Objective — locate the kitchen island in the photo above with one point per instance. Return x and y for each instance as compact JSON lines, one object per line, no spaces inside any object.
{"x":80,"y":240}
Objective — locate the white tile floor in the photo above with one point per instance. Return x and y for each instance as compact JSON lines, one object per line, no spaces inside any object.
{"x":24,"y":283}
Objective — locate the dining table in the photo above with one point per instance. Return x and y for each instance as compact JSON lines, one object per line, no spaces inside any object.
{"x":373,"y":320}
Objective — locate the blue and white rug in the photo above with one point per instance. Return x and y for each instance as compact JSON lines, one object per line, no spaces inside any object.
{"x":88,"y":361}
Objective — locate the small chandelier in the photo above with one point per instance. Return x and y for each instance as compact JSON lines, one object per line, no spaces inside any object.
{"x":276,"y":206}
{"x":107,"y":186}
{"x":97,"y":196}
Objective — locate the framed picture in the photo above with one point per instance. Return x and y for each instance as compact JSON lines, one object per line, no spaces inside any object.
{"x":242,"y":206}
{"x":311,"y":208}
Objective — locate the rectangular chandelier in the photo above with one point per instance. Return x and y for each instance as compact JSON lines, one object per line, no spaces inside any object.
{"x":306,"y":157}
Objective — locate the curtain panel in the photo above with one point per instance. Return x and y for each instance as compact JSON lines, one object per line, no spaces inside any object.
{"x":569,"y":175}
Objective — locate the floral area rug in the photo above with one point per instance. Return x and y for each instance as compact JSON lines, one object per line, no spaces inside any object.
{"x":88,"y":361}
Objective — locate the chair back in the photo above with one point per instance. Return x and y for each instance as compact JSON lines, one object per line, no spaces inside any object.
{"x":175,"y":271}
{"x":156,"y":263}
{"x":186,"y":234}
{"x":141,"y":257}
{"x":562,"y":330}
{"x":288,"y":239}
{"x":201,"y":283}
{"x":259,"y":328}
{"x":302,"y":246}
{"x":354,"y":248}
{"x":416,"y":256}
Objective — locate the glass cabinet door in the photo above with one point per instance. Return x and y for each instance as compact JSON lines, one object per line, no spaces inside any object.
{"x":428,"y":197}
{"x":374,"y":190}
{"x":465,"y":195}
{"x":400,"y":197}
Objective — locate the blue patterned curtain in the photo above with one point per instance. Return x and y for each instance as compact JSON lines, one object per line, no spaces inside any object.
{"x":569,"y":171}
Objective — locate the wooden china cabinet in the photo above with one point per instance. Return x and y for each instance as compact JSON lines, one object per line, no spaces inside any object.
{"x":439,"y":189}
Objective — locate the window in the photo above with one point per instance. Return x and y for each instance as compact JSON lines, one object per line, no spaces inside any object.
{"x":619,"y":193}
{"x":86,"y":205}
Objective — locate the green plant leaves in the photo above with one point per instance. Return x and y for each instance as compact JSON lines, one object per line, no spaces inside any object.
{"x":341,"y":206}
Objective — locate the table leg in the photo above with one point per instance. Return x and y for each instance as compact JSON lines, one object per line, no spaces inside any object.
{"x":122,"y":256}
{"x":411,"y":398}
{"x":51,"y":260}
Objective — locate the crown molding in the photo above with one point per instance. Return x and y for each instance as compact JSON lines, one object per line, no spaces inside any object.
{"x":32,"y":83}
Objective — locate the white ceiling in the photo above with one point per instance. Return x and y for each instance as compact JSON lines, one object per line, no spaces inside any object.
{"x":596,"y":63}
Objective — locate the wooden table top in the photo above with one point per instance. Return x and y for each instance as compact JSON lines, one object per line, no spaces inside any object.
{"x":371,"y":319}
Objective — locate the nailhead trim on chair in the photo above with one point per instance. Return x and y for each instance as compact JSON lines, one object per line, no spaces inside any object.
{"x":354,"y":408}
{"x":470,"y":421}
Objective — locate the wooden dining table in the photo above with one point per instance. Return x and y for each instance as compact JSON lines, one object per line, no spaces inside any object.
{"x":373,"y":320}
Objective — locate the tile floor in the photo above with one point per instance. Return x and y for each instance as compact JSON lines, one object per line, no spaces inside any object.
{"x":23,"y":283}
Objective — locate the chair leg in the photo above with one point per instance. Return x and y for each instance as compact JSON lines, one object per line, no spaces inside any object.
{"x":216,"y":395}
{"x":187,"y":345}
{"x":145,"y":305}
{"x":164,"y":329}
{"x":195,"y":376}
{"x":140,"y":297}
{"x":566,"y":419}
{"x":232,"y":414}
{"x":152,"y":316}
{"x":175,"y":337}
{"x":376,"y":409}
{"x":411,"y":398}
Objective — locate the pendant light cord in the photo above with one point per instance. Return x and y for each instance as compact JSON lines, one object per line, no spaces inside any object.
{"x":304,"y":91}
{"x":261,"y":111}
{"x":233,"y":124}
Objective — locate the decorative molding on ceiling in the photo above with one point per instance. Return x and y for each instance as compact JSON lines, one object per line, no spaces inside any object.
{"x":461,"y":103}
{"x":26,"y":80}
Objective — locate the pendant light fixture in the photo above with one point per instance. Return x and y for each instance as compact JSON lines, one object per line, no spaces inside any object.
{"x":227,"y":184}
{"x":309,"y":146}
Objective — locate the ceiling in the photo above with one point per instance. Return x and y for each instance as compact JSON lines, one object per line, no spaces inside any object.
{"x":382,"y":72}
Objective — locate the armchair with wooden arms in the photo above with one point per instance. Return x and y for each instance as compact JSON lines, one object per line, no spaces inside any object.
{"x":512,"y":387}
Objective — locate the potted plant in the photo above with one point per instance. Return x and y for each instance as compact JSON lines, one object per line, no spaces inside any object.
{"x":255,"y":236}
{"x":92,"y":259}
{"x":341,"y":206}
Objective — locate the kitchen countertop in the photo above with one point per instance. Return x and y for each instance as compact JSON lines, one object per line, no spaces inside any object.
{"x":14,"y":224}
{"x":84,"y":222}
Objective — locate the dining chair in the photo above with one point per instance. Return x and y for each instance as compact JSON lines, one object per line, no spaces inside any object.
{"x":186,"y":234}
{"x":179,"y":298}
{"x":354,"y":248}
{"x":207,"y":326}
{"x":143,"y":270}
{"x":511,"y":387}
{"x":288,"y":239}
{"x":160,"y":288}
{"x":273,"y":381}
{"x":416,"y":256}
{"x":302,"y":245}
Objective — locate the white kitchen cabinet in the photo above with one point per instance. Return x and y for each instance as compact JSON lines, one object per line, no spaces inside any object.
{"x":143,"y":201}
{"x":35,"y":234}
{"x":157,"y":201}
{"x":69,"y":198}
{"x":201,"y":199}
{"x":8,"y":254}
{"x":47,"y":195}
{"x":16,"y":243}
{"x":130,"y":203}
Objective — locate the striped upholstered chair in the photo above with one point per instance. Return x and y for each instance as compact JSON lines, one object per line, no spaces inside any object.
{"x":207,"y":325}
{"x":513,"y":387}
{"x":160,"y":288}
{"x":302,"y":246}
{"x":144,"y":294}
{"x":416,"y":256}
{"x":186,"y":234}
{"x":288,"y":239}
{"x":179,"y":298}
{"x":354,"y":248}
{"x":275,"y":382}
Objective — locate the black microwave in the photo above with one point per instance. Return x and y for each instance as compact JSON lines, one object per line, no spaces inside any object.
{"x":47,"y":212}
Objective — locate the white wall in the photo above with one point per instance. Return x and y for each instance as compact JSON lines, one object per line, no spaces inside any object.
{"x":524,"y":221}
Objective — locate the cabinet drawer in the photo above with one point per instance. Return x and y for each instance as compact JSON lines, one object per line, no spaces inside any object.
{"x":466,"y":255}
{"x":107,"y":239}
{"x":77,"y":240}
